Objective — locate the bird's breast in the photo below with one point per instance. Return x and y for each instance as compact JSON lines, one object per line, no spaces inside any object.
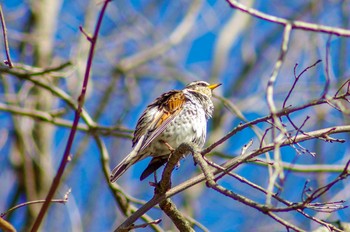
{"x":188,"y":127}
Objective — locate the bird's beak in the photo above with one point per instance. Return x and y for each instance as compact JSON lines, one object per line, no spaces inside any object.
{"x":214,"y":86}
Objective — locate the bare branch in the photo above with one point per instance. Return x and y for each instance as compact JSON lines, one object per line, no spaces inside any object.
{"x":66,"y":154}
{"x":87,"y":35}
{"x":295,"y":24}
{"x":53,"y":119}
{"x":124,"y":201}
{"x":62,"y":201}
{"x":4,"y":33}
{"x":160,"y":194}
{"x":5,"y":226}
{"x":212,"y":184}
{"x":296,"y":79}
{"x":175,"y":215}
{"x":144,"y":225}
{"x":23,"y":70}
{"x":283,"y":112}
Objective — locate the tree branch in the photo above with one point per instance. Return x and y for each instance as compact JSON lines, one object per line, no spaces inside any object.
{"x":4,"y":33}
{"x":66,"y":154}
{"x":295,"y":24}
{"x":160,"y":194}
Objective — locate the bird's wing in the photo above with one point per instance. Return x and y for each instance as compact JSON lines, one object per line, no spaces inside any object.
{"x":126,"y":163}
{"x":158,"y":115}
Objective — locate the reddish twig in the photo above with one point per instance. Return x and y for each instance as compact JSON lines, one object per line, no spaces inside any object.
{"x":299,"y":129}
{"x":66,"y":154}
{"x":4,"y":33}
{"x":300,"y":25}
{"x":263,"y":137}
{"x":296,"y":79}
{"x":87,"y":35}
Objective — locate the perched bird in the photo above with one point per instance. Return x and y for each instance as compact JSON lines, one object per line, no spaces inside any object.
{"x":176,"y":117}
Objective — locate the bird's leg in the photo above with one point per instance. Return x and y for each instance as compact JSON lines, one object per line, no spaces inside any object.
{"x":155,"y":177}
{"x":171,"y":149}
{"x":155,"y":183}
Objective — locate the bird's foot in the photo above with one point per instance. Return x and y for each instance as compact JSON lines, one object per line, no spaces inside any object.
{"x":153,"y":184}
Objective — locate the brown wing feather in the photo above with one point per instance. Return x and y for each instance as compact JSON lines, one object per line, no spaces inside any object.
{"x":169,"y":105}
{"x":148,"y":117}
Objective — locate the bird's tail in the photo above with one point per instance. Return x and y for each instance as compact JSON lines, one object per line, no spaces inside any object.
{"x":126,"y":163}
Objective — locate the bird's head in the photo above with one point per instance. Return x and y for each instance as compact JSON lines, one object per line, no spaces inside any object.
{"x":202,"y":87}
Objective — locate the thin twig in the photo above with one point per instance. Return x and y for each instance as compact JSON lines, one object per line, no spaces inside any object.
{"x":228,"y":166}
{"x":66,"y":154}
{"x":330,"y":206}
{"x":280,"y":113}
{"x":212,"y":184}
{"x":275,"y":196}
{"x":241,"y":159}
{"x":23,"y":70}
{"x":295,"y":24}
{"x":87,"y":35}
{"x":296,"y":79}
{"x":299,"y":129}
{"x":51,"y":118}
{"x":4,"y":33}
{"x":320,"y":191}
{"x":304,"y":168}
{"x":62,"y":201}
{"x":144,"y":225}
{"x":342,"y":86}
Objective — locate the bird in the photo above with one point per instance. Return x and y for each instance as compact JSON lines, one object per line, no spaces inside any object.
{"x":175,"y":117}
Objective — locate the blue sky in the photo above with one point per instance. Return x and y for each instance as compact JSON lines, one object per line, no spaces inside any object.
{"x":133,"y":26}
